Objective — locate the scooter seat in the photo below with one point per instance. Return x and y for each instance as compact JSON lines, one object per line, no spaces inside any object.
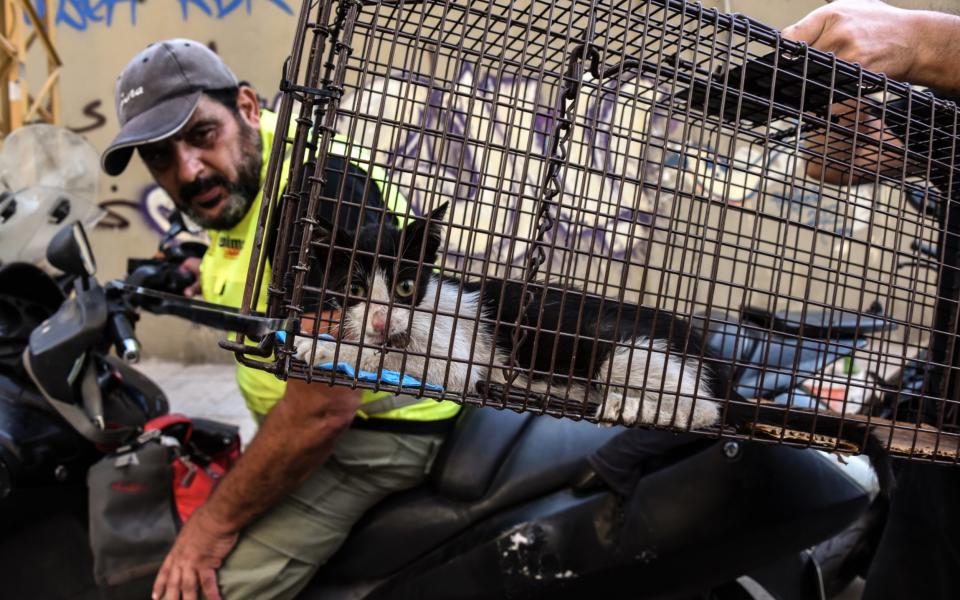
{"x":474,"y":450}
{"x":823,"y":324}
{"x":493,"y":459}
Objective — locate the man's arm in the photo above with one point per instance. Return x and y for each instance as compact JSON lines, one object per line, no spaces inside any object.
{"x":298,"y":436}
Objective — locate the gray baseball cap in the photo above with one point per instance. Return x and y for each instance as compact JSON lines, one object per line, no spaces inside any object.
{"x":157,"y":93}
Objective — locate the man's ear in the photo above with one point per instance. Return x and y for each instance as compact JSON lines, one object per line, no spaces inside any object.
{"x":249,"y":106}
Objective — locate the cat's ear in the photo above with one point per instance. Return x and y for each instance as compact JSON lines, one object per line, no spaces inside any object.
{"x":439,"y":212}
{"x":434,"y":233}
{"x":426,"y":233}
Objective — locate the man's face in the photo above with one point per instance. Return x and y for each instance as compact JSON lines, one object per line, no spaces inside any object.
{"x":211,"y":166}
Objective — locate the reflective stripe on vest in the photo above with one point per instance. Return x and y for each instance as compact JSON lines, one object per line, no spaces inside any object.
{"x":223,"y":274}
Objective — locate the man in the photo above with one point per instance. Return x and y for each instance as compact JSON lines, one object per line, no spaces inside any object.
{"x":919,"y":553}
{"x":292,"y":498}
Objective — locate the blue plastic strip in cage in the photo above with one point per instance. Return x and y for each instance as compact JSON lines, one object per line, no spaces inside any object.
{"x":384,"y":376}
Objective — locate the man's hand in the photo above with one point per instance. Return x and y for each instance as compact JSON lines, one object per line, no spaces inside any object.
{"x":327,"y":321}
{"x":906,"y":45}
{"x":880,"y":37}
{"x":297,"y":437}
{"x":192,"y":265}
{"x":198,"y":552}
{"x":875,"y":150}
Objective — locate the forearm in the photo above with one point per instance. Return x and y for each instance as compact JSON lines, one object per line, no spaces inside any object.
{"x":937,"y":63}
{"x":298,"y":436}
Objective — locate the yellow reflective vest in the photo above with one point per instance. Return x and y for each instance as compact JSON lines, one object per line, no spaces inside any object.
{"x":223,"y":274}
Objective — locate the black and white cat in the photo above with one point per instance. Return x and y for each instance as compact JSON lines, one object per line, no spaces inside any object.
{"x":638,"y":364}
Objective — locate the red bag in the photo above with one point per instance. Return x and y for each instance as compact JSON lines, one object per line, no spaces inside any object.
{"x":207,"y":451}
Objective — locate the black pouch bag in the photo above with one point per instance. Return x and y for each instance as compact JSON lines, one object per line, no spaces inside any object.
{"x":132,"y":521}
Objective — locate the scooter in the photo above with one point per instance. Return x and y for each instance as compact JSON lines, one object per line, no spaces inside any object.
{"x":500,"y":516}
{"x":65,"y":403}
{"x":67,"y":319}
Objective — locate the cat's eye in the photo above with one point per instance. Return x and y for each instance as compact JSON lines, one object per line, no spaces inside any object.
{"x":357,"y":289}
{"x":405,"y":288}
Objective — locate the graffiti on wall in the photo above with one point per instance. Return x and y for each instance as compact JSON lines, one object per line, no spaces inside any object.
{"x":481,"y":143}
{"x":82,"y":14}
{"x":152,"y":207}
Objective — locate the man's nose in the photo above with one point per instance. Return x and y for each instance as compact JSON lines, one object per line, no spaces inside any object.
{"x":188,"y":162}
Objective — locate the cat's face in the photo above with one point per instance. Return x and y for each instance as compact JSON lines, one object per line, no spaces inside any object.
{"x":377,"y":286}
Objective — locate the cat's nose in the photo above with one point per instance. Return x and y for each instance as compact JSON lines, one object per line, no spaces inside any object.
{"x":379,"y":321}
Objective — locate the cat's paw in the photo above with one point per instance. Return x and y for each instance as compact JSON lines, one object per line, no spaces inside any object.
{"x":688,"y":414}
{"x":324,"y":352}
{"x":705,"y":414}
{"x":662,"y":411}
{"x":303,"y":348}
{"x":610,"y":409}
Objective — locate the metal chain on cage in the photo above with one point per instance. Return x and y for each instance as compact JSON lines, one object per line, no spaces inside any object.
{"x":551,"y":187}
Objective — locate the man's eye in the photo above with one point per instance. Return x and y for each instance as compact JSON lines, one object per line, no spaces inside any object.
{"x":155,"y":158}
{"x":405,"y":288}
{"x":357,"y":290}
{"x":202,"y":136}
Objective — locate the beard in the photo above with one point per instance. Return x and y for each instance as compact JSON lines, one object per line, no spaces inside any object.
{"x":240,"y":194}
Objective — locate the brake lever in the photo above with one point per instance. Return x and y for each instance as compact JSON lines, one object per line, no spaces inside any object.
{"x":216,"y":316}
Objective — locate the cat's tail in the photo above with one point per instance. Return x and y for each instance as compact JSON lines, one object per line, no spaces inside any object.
{"x":744,"y":415}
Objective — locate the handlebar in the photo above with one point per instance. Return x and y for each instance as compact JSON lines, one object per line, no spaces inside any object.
{"x":124,"y":340}
{"x":196,"y":311}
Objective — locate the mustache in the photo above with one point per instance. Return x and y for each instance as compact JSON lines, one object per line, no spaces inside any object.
{"x":189,"y":191}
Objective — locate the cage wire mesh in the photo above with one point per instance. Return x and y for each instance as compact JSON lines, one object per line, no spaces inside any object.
{"x":615,"y":212}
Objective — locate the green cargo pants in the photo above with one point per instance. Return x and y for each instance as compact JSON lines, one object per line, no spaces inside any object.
{"x":279,"y":553}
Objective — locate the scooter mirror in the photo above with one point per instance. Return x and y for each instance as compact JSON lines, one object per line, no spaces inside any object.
{"x":70,"y":251}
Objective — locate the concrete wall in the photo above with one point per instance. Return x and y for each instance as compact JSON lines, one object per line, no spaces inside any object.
{"x":97,"y":39}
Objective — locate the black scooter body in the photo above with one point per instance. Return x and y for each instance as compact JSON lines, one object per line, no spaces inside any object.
{"x":514,"y":528}
{"x":43,"y":460}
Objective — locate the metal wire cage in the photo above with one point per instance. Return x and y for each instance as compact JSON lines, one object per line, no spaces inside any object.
{"x":646,"y":213}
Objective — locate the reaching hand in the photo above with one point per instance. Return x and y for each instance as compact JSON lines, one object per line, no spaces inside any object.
{"x":194,"y":559}
{"x":915,"y":46}
{"x":906,"y":45}
{"x":192,"y":265}
{"x":880,"y":37}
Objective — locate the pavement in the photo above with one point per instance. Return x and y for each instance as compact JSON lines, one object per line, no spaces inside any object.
{"x":207,"y":390}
